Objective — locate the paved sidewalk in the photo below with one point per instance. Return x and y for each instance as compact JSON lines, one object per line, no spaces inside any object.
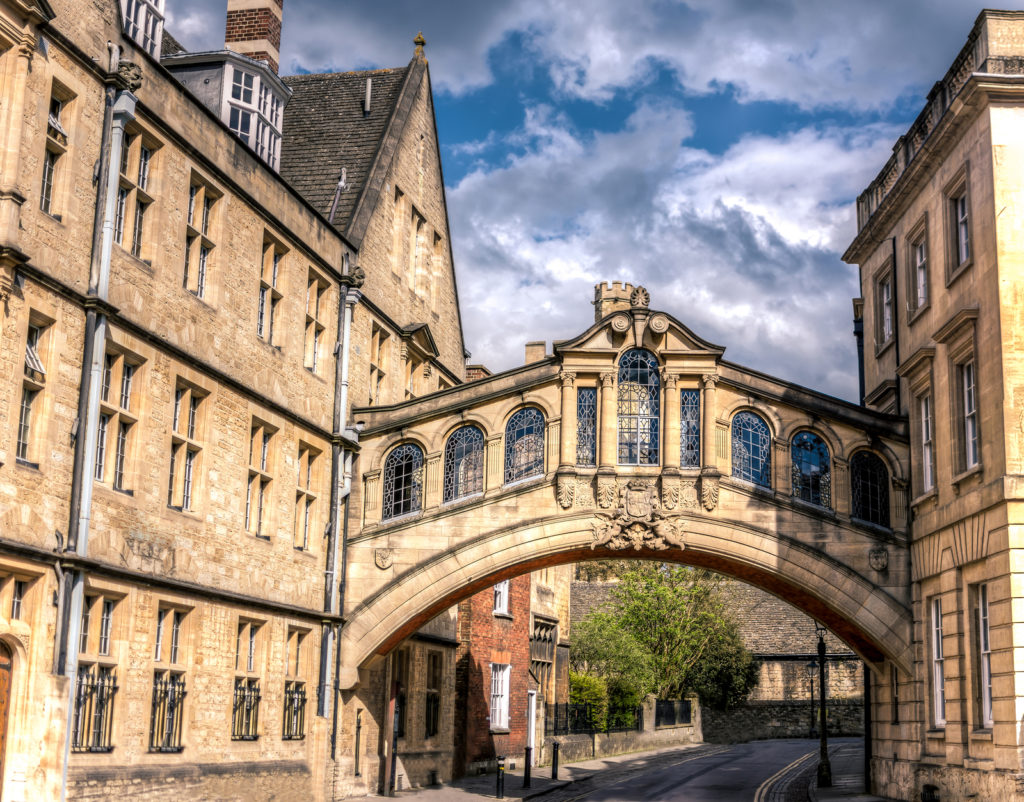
{"x":847,"y":777}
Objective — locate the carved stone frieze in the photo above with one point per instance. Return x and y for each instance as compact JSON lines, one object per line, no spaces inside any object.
{"x":141,"y":552}
{"x":566,"y":490}
{"x":607,"y":492}
{"x":584,"y":493}
{"x":670,"y":492}
{"x":709,"y":490}
{"x":688,"y":498}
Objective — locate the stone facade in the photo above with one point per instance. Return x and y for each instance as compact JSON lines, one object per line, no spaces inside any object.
{"x":939,"y":253}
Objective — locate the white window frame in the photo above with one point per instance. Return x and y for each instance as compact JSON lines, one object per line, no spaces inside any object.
{"x":937,"y":659}
{"x":961,"y":227}
{"x":501,"y":597}
{"x":500,"y":673}
{"x":969,"y":396}
{"x":144,"y":23}
{"x":920,"y":251}
{"x":885,"y":293}
{"x":984,"y":657}
{"x":927,"y":444}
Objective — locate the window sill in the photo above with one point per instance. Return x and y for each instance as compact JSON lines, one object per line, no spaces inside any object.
{"x":871,"y":525}
{"x":955,"y":272}
{"x":401,"y":519}
{"x":810,"y":506}
{"x":960,"y":478}
{"x":499,"y":730}
{"x":166,"y":750}
{"x":24,"y":463}
{"x":936,"y":733}
{"x":983,"y":734}
{"x":145,"y":264}
{"x":924,"y":498}
{"x":506,"y":616}
{"x":57,"y":218}
{"x":881,"y":348}
{"x":455,"y":502}
{"x":916,"y":314}
{"x":535,"y":478}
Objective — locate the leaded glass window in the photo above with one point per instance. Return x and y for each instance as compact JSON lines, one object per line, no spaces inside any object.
{"x":464,"y":463}
{"x":403,"y":481}
{"x":689,"y":429}
{"x":812,"y":469}
{"x":869,"y":482}
{"x":586,"y":426}
{"x":639,"y":408}
{"x":524,"y":445}
{"x":751,"y":449}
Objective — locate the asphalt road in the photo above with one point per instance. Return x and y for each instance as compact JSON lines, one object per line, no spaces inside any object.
{"x":743,"y":772}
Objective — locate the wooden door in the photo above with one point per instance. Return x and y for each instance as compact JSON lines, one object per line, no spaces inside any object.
{"x":6,"y":664}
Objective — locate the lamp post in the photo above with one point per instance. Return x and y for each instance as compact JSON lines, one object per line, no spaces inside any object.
{"x":824,"y":767}
{"x":812,"y":669}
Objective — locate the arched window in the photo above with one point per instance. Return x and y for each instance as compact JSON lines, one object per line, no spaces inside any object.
{"x":639,"y":408}
{"x":751,"y":449}
{"x":464,"y":463}
{"x":869,"y":481}
{"x":403,"y":481}
{"x":812,"y":469}
{"x":524,"y":445}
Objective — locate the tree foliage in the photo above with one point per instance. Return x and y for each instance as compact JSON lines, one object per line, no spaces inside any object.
{"x":588,"y":689}
{"x":667,"y":631}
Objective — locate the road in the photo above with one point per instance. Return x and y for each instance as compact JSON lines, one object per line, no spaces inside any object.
{"x":751,"y":771}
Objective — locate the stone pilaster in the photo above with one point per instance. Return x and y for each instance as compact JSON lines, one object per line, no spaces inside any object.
{"x":567,"y":454}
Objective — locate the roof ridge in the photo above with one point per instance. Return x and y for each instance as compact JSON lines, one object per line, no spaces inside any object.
{"x":377,"y":71}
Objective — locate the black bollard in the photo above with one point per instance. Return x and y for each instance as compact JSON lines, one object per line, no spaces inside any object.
{"x":554,"y":760}
{"x":526,"y":767}
{"x":500,"y":790}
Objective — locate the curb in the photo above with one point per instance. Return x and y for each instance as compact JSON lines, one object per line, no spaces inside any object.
{"x":558,"y":787}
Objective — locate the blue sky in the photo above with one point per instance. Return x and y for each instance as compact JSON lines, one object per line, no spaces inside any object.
{"x":710,"y":150}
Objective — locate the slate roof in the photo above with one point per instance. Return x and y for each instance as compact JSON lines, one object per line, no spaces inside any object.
{"x":324,"y":131}
{"x":169,"y":45}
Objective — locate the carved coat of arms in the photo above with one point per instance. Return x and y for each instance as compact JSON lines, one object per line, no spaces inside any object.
{"x":383,"y":558}
{"x":638,"y":524}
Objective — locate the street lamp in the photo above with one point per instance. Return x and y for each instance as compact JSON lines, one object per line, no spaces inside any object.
{"x":812,"y":669}
{"x":824,"y":767}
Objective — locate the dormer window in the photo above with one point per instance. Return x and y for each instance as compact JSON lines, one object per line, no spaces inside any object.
{"x":252,"y":98}
{"x":144,"y":23}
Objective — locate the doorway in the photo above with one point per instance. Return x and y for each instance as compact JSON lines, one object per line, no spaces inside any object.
{"x":6,"y":667}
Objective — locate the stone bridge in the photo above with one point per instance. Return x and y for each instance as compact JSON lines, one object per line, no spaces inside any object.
{"x":634,"y":439}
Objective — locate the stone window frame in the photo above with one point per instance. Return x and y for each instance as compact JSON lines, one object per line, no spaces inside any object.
{"x":502,"y":591}
{"x":959,"y":336}
{"x":269,"y":293}
{"x":883,"y":277}
{"x":100,"y":643}
{"x":250,"y":647}
{"x":138,"y":187}
{"x":938,"y":703}
{"x":54,"y":179}
{"x":189,"y":414}
{"x":829,"y":503}
{"x":171,"y":659}
{"x":263,"y":437}
{"x":33,"y":400}
{"x":956,"y":188}
{"x":894,"y":693}
{"x":380,"y":347}
{"x":317,"y":305}
{"x":296,"y":672}
{"x":432,"y":690}
{"x":979,"y":604}
{"x":919,"y":372}
{"x":308,"y":484}
{"x":915,"y":240}
{"x":201,"y":227}
{"x":120,"y":394}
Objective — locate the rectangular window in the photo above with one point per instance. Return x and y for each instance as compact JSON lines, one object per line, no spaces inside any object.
{"x":316,"y":289}
{"x":378,"y":363}
{"x":499,"y":696}
{"x":18,"y":598}
{"x":432,"y":705}
{"x":501,"y":597}
{"x":122,"y":202}
{"x":56,"y":147}
{"x":143,"y":22}
{"x":186,"y":447}
{"x":258,"y":489}
{"x":49,"y":171}
{"x":294,"y":718}
{"x":202,"y":198}
{"x":268,"y":295}
{"x":919,"y":254}
{"x":106,"y":621}
{"x":969,"y":402}
{"x":246,"y":704}
{"x":885,"y":309}
{"x":140,"y":219}
{"x":93,"y":714}
{"x":28,"y":398}
{"x":168,"y":700}
{"x":240,"y":123}
{"x":984,"y":646}
{"x":689,"y":429}
{"x":961,"y":228}
{"x":894,"y":685}
{"x":586,"y":426}
{"x":121,"y":454}
{"x":938,"y":673}
{"x":137,"y":155}
{"x":305,"y":496}
{"x":101,"y":448}
{"x":927,"y":451}
{"x":117,"y":420}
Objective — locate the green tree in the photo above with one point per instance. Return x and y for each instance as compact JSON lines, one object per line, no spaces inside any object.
{"x":587,"y":689}
{"x":667,"y":631}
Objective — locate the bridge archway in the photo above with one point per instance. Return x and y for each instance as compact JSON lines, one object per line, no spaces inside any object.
{"x":868,"y":618}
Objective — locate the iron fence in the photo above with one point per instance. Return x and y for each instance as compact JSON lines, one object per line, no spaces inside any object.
{"x":165,"y":720}
{"x":570,"y":719}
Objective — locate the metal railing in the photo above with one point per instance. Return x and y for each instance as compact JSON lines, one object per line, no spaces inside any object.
{"x":168,"y":704}
{"x":294,"y":719}
{"x":245,"y":716}
{"x":569,"y":719}
{"x":93,"y":721}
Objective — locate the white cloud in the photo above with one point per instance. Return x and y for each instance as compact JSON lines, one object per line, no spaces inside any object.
{"x":742,"y":247}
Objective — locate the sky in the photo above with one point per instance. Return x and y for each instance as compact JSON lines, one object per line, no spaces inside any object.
{"x":710,"y":150}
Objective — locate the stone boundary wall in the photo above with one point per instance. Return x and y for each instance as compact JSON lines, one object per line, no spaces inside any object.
{"x":757,"y":720}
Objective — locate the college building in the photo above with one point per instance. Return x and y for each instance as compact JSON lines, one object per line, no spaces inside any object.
{"x":263,"y":532}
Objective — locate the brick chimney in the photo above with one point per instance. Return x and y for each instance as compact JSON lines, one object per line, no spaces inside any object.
{"x":610,"y":298}
{"x":254,"y":29}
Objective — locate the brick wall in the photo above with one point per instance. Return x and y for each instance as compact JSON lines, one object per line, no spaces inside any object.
{"x":486,"y":638}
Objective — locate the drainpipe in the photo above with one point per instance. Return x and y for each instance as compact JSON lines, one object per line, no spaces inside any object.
{"x":341,"y":482}
{"x":120,"y":109}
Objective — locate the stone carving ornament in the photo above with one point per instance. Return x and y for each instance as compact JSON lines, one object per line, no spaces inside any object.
{"x":566,"y":491}
{"x":640,"y":297}
{"x":688,"y":494}
{"x":607,"y":491}
{"x":878,"y":559}
{"x":709,"y":491}
{"x":637,"y":523}
{"x":383,"y":558}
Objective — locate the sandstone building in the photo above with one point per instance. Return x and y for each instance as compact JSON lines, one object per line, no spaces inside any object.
{"x":939,"y":250}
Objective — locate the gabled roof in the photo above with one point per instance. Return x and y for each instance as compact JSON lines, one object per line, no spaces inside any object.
{"x":421,"y":335}
{"x":326,"y":131}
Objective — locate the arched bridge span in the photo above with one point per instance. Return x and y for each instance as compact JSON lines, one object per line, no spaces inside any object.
{"x":636,"y":439}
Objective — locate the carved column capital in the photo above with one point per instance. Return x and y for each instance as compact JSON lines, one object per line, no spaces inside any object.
{"x":607,"y":379}
{"x":567,"y":377}
{"x":710,"y":380}
{"x":669,"y":378}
